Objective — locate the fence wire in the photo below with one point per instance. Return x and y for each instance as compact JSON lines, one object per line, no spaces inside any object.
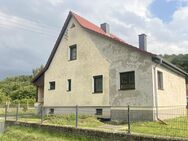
{"x":165,"y":121}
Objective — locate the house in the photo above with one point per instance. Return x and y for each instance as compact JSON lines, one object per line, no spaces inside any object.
{"x":89,"y":66}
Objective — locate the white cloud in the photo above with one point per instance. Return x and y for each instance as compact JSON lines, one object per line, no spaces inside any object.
{"x":24,"y":27}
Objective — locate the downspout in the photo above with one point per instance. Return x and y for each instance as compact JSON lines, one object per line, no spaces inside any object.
{"x":155,"y":86}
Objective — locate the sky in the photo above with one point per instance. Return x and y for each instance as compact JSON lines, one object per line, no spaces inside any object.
{"x":29,"y":29}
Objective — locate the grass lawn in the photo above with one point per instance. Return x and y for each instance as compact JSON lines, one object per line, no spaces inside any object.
{"x":177,"y":127}
{"x":17,"y":133}
{"x":83,"y":120}
{"x":65,"y":120}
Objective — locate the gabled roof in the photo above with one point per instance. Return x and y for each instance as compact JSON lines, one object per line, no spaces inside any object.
{"x":91,"y":27}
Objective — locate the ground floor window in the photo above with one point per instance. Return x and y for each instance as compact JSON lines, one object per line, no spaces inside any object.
{"x":52,"y":85}
{"x":160,"y":80}
{"x":98,"y":84}
{"x":127,"y":80}
{"x":69,"y":85}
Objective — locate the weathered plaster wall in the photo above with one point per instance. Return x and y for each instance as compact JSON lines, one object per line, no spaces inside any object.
{"x":81,"y":71}
{"x":174,"y":92}
{"x":123,"y":59}
{"x":40,"y":94}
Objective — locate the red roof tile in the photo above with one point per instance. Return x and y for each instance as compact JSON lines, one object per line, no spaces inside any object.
{"x":92,"y":27}
{"x":88,"y":25}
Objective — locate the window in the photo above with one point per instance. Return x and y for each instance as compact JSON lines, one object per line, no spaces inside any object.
{"x":98,"y":112}
{"x":127,"y":80}
{"x":73,"y":52}
{"x":51,"y":111}
{"x":69,"y":85}
{"x":160,"y":80}
{"x":98,"y":84}
{"x":52,"y":85}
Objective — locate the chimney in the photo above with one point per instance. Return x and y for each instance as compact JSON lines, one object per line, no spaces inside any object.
{"x":106,"y":28}
{"x":143,"y":42}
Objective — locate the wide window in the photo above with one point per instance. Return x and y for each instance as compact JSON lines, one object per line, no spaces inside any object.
{"x":160,"y":80}
{"x":52,"y":85}
{"x":127,"y":80}
{"x":98,"y":84}
{"x":73,"y":52}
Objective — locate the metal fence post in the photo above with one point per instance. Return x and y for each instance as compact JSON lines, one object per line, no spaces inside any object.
{"x":76,"y":116}
{"x":42,"y":114}
{"x":17,"y":110}
{"x":6,"y":112}
{"x":128,"y":119}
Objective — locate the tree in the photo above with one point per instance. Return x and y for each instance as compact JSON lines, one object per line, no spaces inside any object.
{"x":37,"y":70}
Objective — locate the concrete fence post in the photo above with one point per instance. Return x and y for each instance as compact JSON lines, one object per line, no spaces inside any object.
{"x":17,"y":110}
{"x":128,"y":119}
{"x":6,"y":108}
{"x":42,"y":114}
{"x":76,"y":116}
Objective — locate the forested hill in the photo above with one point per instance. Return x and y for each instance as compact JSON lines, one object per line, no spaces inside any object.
{"x":180,"y":61}
{"x":17,"y":89}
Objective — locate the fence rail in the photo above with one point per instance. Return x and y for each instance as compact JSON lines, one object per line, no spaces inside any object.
{"x":166,"y":120}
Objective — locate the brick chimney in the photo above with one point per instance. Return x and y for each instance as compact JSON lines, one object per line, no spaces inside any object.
{"x":106,"y":28}
{"x":143,"y":42}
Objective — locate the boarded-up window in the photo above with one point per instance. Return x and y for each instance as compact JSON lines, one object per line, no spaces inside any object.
{"x":127,"y":80}
{"x":160,"y":80}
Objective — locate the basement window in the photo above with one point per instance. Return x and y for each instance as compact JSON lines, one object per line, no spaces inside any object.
{"x":160,"y":80}
{"x":52,"y":85}
{"x":98,"y":112}
{"x":51,"y":111}
{"x":127,"y":80}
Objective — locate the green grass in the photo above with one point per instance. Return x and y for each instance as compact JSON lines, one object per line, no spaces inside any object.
{"x":17,"y":133}
{"x":83,"y":120}
{"x":65,"y":120}
{"x":177,"y":127}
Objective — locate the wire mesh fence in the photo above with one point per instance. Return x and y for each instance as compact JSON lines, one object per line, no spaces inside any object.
{"x":165,"y":121}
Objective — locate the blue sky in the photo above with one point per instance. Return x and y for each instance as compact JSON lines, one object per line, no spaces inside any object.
{"x":29,"y":29}
{"x":164,"y":9}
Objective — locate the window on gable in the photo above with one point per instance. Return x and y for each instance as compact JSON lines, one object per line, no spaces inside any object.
{"x":127,"y":80}
{"x":98,"y":84}
{"x":52,"y":85}
{"x":160,"y":80}
{"x":69,"y":85}
{"x":73,"y":52}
